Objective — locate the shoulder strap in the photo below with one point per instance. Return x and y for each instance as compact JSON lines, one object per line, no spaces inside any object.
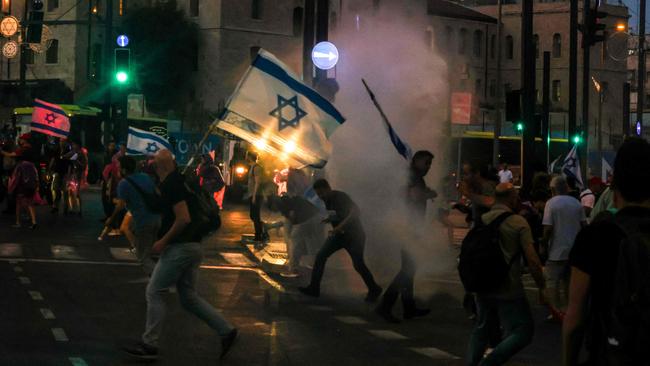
{"x":500,"y":219}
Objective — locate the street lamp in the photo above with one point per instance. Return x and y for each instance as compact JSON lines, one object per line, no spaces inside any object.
{"x":621,"y":27}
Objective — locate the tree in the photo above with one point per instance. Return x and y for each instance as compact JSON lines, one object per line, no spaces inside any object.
{"x":163,"y":44}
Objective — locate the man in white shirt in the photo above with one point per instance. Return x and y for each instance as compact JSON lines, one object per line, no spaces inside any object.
{"x":563,"y":218}
{"x":588,"y":197}
{"x":505,"y":175}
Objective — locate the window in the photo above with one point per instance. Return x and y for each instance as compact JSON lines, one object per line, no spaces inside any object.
{"x":6,"y":6}
{"x":478,"y":87}
{"x":493,"y":88}
{"x":256,"y":9}
{"x":510,"y":48}
{"x":449,"y":37}
{"x":493,"y":46}
{"x":557,"y":45}
{"x":52,"y":5}
{"x":536,"y":42}
{"x":556,"y":93}
{"x":29,"y":56}
{"x":52,"y":53}
{"x":507,"y":87}
{"x":478,"y":43}
{"x":462,"y":41}
{"x":194,"y":8}
{"x":254,"y":50}
{"x":297,"y":21}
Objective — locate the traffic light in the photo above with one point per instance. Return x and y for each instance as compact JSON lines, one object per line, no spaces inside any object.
{"x":122,"y":65}
{"x":35,"y":18}
{"x":520,"y":126}
{"x":594,"y":29}
{"x":577,"y":139}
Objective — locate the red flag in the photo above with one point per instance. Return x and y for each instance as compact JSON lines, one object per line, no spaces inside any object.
{"x":50,"y":119}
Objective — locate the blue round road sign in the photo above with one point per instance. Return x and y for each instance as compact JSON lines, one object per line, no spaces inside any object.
{"x":638,"y":128}
{"x":122,"y":40}
{"x":325,"y":55}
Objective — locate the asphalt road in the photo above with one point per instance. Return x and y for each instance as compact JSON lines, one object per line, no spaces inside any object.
{"x":68,"y":299}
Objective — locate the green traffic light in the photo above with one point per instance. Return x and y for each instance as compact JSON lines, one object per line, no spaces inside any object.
{"x":121,"y":77}
{"x":577,"y":139}
{"x":520,"y":126}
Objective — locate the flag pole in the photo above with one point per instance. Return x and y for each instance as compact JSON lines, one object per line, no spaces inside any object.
{"x":199,"y":148}
{"x":374,"y":100}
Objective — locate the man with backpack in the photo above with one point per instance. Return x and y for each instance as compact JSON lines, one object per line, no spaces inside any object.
{"x":609,"y":296}
{"x":179,"y":244}
{"x":490,"y":266}
{"x":137,"y":193}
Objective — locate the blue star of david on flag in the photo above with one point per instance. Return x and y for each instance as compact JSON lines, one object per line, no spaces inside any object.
{"x":50,"y":118}
{"x":278,"y":112}
{"x":152,"y":147}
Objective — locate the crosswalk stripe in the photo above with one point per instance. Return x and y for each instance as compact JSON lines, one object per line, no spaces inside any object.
{"x":434,"y":353}
{"x":64,"y":252}
{"x":18,"y":269}
{"x":237,"y":259}
{"x":11,"y":250}
{"x":36,"y":296}
{"x":123,"y":254}
{"x":387,"y":334}
{"x":77,"y":361}
{"x":352,"y":320}
{"x":24,"y":280}
{"x":59,"y":335}
{"x":47,"y":314}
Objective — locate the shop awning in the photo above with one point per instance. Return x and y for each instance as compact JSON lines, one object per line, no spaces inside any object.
{"x":70,"y":109}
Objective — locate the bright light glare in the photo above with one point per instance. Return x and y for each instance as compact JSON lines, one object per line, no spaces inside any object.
{"x":260,"y":144}
{"x":290,"y":147}
{"x":122,"y":76}
{"x":240,"y":170}
{"x":620,"y":27}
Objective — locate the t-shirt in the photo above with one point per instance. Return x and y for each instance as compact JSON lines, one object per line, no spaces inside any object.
{"x":514,"y":234}
{"x":173,"y":191}
{"x":565,"y":214}
{"x":142,"y":215}
{"x":596,"y":253}
{"x":588,"y":198}
{"x":255,"y":172}
{"x":416,"y":181}
{"x":487,"y":189}
{"x":505,"y":176}
{"x":342,"y":204}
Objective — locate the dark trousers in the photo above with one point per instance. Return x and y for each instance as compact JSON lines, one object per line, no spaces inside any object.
{"x":256,"y":216}
{"x":354,"y":245}
{"x":402,"y":285}
{"x":517,"y":321}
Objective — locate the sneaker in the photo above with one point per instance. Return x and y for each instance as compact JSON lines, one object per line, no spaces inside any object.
{"x":290,"y":274}
{"x":374,"y":294}
{"x":386,"y":315}
{"x":142,"y":351}
{"x":34,"y":226}
{"x":416,"y":313}
{"x":227,"y":342}
{"x":309,"y":291}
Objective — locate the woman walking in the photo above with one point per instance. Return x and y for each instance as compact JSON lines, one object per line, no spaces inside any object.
{"x":24,"y":185}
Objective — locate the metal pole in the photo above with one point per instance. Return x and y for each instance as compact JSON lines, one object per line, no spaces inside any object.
{"x":573,"y":68}
{"x":546,"y":103}
{"x":640,"y":89}
{"x":586,"y":90}
{"x":308,"y":42}
{"x":499,"y":96}
{"x":23,"y":54}
{"x":108,"y":30}
{"x":601,"y":100}
{"x":626,"y":109}
{"x":322,"y":31}
{"x":528,"y":92}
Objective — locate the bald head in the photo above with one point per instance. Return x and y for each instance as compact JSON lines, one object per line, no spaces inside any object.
{"x":164,"y":162}
{"x":506,"y":194}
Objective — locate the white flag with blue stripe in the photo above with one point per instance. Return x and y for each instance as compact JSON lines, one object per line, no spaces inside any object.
{"x":571,"y":167}
{"x":272,"y":109}
{"x":141,"y":142}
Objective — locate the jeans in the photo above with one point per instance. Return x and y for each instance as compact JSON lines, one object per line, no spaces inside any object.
{"x":517,"y":322}
{"x":256,"y":217}
{"x":402,"y":285}
{"x":354,"y":245}
{"x":179,"y":265}
{"x":145,"y":236}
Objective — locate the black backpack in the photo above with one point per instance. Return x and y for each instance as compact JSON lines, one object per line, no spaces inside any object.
{"x":204,"y":210}
{"x":482,"y":266}
{"x":626,"y":325}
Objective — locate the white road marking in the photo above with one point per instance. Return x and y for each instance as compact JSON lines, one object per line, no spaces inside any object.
{"x":123,"y":254}
{"x":47,"y":314}
{"x":77,"y":361}
{"x":36,"y":296}
{"x":64,"y":252}
{"x":259,"y":272}
{"x":237,"y":259}
{"x":11,"y":261}
{"x":320,"y":308}
{"x":352,"y":320}
{"x":24,"y":280}
{"x":18,"y":269}
{"x":11,"y":250}
{"x":387,"y":334}
{"x":434,"y":353}
{"x":59,"y":335}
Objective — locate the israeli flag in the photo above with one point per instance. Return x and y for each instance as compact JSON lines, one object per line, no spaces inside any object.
{"x":141,"y":142}
{"x":272,"y":109}
{"x":571,"y":167}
